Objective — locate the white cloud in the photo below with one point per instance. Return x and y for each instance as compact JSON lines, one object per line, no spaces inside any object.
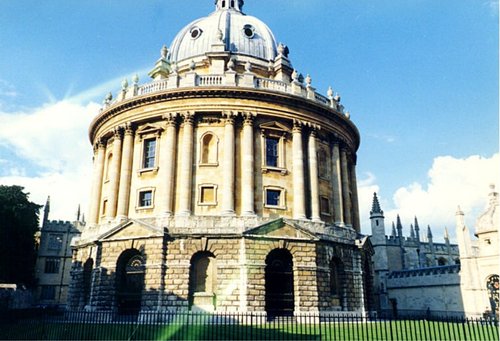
{"x":55,"y":154}
{"x":452,"y":182}
{"x":366,"y":187}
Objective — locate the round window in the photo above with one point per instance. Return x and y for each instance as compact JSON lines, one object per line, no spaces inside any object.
{"x":249,"y":31}
{"x":195,"y":32}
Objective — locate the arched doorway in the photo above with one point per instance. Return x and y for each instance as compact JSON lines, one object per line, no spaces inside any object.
{"x":87,"y":280}
{"x":492,"y":285}
{"x":202,"y":282}
{"x":130,"y":270}
{"x":279,"y":283}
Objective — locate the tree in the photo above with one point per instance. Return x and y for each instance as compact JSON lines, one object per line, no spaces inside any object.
{"x":18,"y":226}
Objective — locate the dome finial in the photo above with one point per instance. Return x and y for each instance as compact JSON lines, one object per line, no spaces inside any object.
{"x":229,"y":4}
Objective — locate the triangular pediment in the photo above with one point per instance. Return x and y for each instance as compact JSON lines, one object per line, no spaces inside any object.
{"x":131,"y":229}
{"x":281,"y":229}
{"x":275,"y":126}
{"x":149,"y":129}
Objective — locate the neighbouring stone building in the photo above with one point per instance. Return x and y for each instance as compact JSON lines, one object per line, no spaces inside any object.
{"x":227,"y":183}
{"x":415,"y":277}
{"x":480,"y":260}
{"x":54,"y":259}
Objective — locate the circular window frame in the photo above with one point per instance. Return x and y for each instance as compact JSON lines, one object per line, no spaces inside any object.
{"x":195,"y":32}
{"x":248,"y":31}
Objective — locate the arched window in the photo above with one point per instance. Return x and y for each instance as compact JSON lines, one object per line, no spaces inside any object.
{"x":323,"y":169}
{"x":202,"y":281}
{"x":208,"y":148}
{"x":108,"y":166}
{"x":442,"y":261}
{"x":492,"y":285}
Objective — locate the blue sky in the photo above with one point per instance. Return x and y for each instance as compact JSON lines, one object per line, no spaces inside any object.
{"x":420,"y":78}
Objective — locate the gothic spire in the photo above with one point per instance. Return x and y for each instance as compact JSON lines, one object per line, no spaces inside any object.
{"x":446,"y":235}
{"x":78,"y":213}
{"x":376,"y":210}
{"x":399,"y":226}
{"x":46,"y":211}
{"x":429,"y":233}
{"x":412,"y":232}
{"x":393,"y":230}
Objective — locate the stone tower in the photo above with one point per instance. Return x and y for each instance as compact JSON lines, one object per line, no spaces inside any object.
{"x":226,"y":182}
{"x":380,"y":261}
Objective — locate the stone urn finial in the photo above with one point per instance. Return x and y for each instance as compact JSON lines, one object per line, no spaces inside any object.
{"x":248,"y":67}
{"x":135,"y":79}
{"x":124,"y":84}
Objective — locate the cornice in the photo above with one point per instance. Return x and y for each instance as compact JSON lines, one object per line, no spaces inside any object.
{"x":295,"y":103}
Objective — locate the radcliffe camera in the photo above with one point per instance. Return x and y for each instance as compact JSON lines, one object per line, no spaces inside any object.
{"x":231,"y":194}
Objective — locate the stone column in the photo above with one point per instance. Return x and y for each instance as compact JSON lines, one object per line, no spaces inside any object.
{"x":95,"y":202}
{"x":228,"y":166}
{"x":186,"y":166}
{"x":167,"y":165}
{"x":346,"y":195}
{"x":355,"y":205}
{"x":299,"y":203}
{"x":337,"y":185}
{"x":247,"y":176}
{"x":114,"y":176}
{"x":126,"y":172}
{"x":313,"y":173}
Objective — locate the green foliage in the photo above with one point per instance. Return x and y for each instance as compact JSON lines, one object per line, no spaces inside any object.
{"x":18,"y":225}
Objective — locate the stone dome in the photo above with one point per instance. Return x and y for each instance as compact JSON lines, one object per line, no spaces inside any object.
{"x":228,"y":25}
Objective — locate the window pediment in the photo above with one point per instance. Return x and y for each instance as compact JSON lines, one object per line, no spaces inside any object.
{"x":149,"y":129}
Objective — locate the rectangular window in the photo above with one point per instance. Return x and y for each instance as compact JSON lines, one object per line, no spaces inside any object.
{"x":273,"y":197}
{"x":48,"y":292}
{"x":272,"y":146}
{"x":55,"y":242}
{"x":324,"y":204}
{"x":149,"y":153}
{"x":52,"y":265}
{"x":208,"y":195}
{"x":146,"y":199}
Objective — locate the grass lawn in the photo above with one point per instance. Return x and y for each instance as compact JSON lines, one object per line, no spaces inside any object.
{"x":379,"y":330}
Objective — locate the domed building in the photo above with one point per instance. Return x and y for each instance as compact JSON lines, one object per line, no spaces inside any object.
{"x":226,"y":183}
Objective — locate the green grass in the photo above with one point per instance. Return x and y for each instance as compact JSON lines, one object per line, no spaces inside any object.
{"x":393,"y":330}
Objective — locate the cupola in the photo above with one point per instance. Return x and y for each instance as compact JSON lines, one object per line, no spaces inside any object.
{"x":236,"y":5}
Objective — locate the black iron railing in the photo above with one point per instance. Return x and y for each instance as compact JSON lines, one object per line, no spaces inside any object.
{"x":54,"y":325}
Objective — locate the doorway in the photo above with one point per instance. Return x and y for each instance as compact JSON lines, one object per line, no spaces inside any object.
{"x":130,"y":270}
{"x":279,"y":283}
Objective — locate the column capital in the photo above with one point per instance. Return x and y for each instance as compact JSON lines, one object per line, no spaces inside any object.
{"x":297,"y":126}
{"x":248,"y":118}
{"x":100,"y":143}
{"x":188,"y":118}
{"x":128,"y":129}
{"x":170,"y":119}
{"x":228,"y":117}
{"x":117,"y":132}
